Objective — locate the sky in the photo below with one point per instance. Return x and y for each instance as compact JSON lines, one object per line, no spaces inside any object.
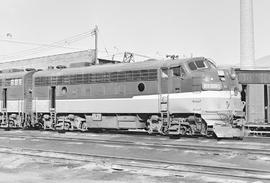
{"x":153,"y":28}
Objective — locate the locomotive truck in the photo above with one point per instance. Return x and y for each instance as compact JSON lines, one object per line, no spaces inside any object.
{"x":174,"y":97}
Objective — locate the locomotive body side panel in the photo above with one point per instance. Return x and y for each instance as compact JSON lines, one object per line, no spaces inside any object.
{"x":97,"y":91}
{"x":190,"y":102}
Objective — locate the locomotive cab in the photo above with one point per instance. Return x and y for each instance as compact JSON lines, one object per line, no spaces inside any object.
{"x":210,"y":98}
{"x":172,"y":79}
{"x":204,"y":76}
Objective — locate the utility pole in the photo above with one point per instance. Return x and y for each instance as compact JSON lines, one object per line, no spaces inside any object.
{"x":96,"y":45}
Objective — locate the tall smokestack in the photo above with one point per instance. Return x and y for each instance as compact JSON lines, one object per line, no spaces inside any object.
{"x":247,"y":60}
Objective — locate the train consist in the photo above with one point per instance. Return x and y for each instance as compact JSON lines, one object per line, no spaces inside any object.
{"x":174,"y":97}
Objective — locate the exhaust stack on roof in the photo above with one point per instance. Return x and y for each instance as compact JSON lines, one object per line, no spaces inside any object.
{"x":246,"y":35}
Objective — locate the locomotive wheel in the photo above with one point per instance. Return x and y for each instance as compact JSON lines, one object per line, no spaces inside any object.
{"x":11,"y":123}
{"x":183,"y":130}
{"x":7,"y":128}
{"x":165,"y":130}
{"x":154,"y":125}
{"x":189,"y":131}
{"x":67,"y":126}
{"x":38,"y":126}
{"x":174,"y":136}
{"x":61,"y":131}
{"x":204,"y":129}
{"x":83,"y":127}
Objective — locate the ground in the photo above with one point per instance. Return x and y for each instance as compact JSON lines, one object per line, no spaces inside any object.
{"x":24,"y":169}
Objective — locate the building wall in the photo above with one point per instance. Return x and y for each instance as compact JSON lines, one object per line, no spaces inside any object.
{"x":255,"y":103}
{"x":257,"y":94}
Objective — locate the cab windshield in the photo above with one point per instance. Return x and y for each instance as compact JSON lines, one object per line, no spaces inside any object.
{"x":196,"y":65}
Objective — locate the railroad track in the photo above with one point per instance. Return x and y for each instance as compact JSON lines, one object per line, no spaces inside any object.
{"x":175,"y":167}
{"x":192,"y":146}
{"x":257,"y":139}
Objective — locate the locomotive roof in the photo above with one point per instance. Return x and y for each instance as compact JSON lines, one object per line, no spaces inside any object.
{"x":148,"y":64}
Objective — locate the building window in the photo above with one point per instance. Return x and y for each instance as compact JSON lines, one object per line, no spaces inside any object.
{"x":13,"y":82}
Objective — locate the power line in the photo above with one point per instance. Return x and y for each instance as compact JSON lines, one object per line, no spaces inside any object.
{"x":43,"y":47}
{"x":36,"y":44}
{"x":140,"y":55}
{"x":58,"y":44}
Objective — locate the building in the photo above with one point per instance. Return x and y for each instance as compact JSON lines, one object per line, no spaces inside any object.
{"x":256,"y":93}
{"x":86,"y":56}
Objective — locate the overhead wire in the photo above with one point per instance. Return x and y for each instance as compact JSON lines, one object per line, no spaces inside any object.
{"x":59,"y":44}
{"x":36,"y":44}
{"x":140,"y":55}
{"x":43,"y":47}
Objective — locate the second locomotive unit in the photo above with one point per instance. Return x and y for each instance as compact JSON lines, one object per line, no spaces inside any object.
{"x":175,"y":97}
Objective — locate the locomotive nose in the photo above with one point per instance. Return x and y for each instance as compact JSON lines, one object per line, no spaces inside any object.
{"x":211,"y":81}
{"x":208,"y":78}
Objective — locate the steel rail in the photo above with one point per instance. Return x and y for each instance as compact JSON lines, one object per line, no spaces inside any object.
{"x":216,"y":170}
{"x":264,"y":139}
{"x":256,"y":139}
{"x":196,"y":147}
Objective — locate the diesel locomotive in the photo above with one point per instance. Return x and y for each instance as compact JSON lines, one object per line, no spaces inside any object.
{"x":174,"y":97}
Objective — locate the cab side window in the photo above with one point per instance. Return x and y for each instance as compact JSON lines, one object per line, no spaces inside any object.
{"x":178,"y":71}
{"x":164,"y":73}
{"x":192,"y":66}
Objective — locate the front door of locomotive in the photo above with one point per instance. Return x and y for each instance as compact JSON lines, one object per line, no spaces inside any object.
{"x":52,"y":103}
{"x":170,"y":82}
{"x":164,"y":81}
{"x":177,"y":73}
{"x":52,"y":97}
{"x":4,"y":99}
{"x":171,"y":79}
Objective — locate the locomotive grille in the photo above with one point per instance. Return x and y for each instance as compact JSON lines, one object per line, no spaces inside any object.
{"x":124,"y":76}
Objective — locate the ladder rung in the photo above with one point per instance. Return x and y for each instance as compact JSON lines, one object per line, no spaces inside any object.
{"x":163,"y":107}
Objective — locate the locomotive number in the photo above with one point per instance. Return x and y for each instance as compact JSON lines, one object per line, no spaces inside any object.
{"x":96,"y":117}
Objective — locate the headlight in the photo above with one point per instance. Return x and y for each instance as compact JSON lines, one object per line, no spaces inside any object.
{"x":211,"y":86}
{"x":208,"y":79}
{"x":233,"y":76}
{"x":235,"y":91}
{"x":221,"y":73}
